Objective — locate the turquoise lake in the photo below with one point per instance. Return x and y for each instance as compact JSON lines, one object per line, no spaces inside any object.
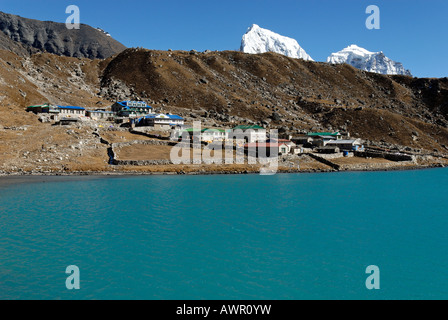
{"x":288,"y":236}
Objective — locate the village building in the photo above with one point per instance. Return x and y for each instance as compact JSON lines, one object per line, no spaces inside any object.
{"x":182,"y":134}
{"x":54,"y":110}
{"x":291,"y":147}
{"x":160,"y":121}
{"x":131,"y":108}
{"x":213,"y":135}
{"x":328,"y":135}
{"x":328,"y":149}
{"x":208,"y":135}
{"x":347,"y":145}
{"x":278,"y":146}
{"x":44,"y":108}
{"x":248,"y":134}
{"x":100,"y":114}
{"x":71,"y":112}
{"x":302,"y":140}
{"x":285,"y":141}
{"x":57,"y":112}
{"x":266,"y":149}
{"x":37,"y":109}
{"x":320,"y":139}
{"x":283,"y":148}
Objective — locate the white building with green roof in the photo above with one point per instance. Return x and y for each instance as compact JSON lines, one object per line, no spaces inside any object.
{"x":248,"y":134}
{"x":206,"y":134}
{"x":327,"y":135}
{"x":213,"y":134}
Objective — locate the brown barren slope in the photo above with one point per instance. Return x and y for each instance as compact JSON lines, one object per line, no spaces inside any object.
{"x":223,"y":88}
{"x":306,"y":95}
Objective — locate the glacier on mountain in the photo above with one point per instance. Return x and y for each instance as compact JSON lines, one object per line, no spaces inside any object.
{"x":363,"y":59}
{"x":259,"y":40}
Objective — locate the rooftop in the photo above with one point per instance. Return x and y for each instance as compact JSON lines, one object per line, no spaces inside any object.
{"x":205,"y":130}
{"x":39,"y":106}
{"x":134,"y":104}
{"x":164,"y":116}
{"x":279,"y":140}
{"x":246,"y":127}
{"x":323,"y":134}
{"x":353,"y":141}
{"x":263,"y":145}
{"x":71,"y":108}
{"x":100,"y":111}
{"x":213,"y":130}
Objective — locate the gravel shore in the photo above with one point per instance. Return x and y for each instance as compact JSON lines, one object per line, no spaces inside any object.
{"x":20,"y":178}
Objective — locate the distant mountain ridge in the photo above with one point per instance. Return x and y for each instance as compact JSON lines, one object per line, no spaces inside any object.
{"x":363,"y":59}
{"x":259,"y":40}
{"x":53,"y":37}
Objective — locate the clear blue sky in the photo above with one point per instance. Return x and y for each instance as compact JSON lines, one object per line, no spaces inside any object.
{"x":413,"y":32}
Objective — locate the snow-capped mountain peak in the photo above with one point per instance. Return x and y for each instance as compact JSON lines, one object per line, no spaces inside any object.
{"x":368,"y":61}
{"x":259,"y":40}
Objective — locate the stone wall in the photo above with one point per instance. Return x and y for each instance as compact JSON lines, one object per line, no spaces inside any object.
{"x":116,"y":161}
{"x":374,"y":166}
{"x":331,"y":156}
{"x":143,"y":142}
{"x":385,"y":155}
{"x":324,"y":161}
{"x":147,"y":133}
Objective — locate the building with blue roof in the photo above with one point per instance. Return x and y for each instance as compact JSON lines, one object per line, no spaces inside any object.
{"x":131,"y":108}
{"x":71,"y":111}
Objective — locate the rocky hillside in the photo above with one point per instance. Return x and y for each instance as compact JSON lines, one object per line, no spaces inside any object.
{"x":30,"y":35}
{"x":293,"y":95}
{"x":226,"y":88}
{"x":10,"y":45}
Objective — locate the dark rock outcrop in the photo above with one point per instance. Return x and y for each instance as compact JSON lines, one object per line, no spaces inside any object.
{"x":30,"y":35}
{"x":10,"y":45}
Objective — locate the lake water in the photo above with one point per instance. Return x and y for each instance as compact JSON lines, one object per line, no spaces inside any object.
{"x":288,"y":236}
